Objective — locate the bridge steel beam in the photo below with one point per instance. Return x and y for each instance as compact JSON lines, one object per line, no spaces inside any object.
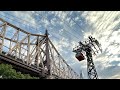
{"x":32,"y":51}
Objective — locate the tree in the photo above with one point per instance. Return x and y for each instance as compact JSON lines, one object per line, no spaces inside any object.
{"x":7,"y":72}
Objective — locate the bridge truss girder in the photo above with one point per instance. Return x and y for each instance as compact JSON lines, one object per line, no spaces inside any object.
{"x":34,"y":50}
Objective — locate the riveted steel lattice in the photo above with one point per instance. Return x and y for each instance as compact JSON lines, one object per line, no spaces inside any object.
{"x":34,"y":50}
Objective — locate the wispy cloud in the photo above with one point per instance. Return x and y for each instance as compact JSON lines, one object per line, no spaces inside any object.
{"x":104,"y":31}
{"x":67,"y":28}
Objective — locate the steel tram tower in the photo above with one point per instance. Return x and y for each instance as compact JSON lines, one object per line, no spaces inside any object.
{"x":89,"y":47}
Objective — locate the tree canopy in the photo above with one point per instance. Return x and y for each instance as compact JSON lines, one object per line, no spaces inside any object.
{"x":7,"y":72}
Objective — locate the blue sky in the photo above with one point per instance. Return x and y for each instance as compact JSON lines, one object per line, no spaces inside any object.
{"x":67,"y":28}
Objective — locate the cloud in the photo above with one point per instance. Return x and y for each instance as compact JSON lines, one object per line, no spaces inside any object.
{"x":67,"y":28}
{"x":104,"y":32}
{"x":25,"y":15}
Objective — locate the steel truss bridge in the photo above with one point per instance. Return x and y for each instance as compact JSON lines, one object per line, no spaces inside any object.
{"x":30,"y":53}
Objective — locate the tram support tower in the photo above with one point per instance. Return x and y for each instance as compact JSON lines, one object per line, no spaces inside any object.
{"x":87,"y":47}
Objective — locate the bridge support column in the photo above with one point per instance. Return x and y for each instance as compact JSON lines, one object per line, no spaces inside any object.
{"x":3,"y":36}
{"x":47,"y":54}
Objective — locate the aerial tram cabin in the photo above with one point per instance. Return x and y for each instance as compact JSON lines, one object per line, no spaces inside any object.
{"x":80,"y":56}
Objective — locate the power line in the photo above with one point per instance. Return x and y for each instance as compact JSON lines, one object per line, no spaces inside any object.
{"x":76,"y":23}
{"x":104,"y":20}
{"x":29,"y":23}
{"x":63,"y":22}
{"x":95,"y":23}
{"x":22,"y":20}
{"x":100,"y":23}
{"x":59,"y":34}
{"x":68,"y":26}
{"x":16,"y":17}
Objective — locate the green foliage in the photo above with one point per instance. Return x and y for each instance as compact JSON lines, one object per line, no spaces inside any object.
{"x":7,"y":72}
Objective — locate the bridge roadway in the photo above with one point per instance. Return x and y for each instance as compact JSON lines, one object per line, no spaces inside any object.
{"x":18,"y":65}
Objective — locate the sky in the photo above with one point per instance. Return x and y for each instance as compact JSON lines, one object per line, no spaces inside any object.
{"x":67,"y":28}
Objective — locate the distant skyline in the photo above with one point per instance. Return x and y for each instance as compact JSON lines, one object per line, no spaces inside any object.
{"x":67,"y":28}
